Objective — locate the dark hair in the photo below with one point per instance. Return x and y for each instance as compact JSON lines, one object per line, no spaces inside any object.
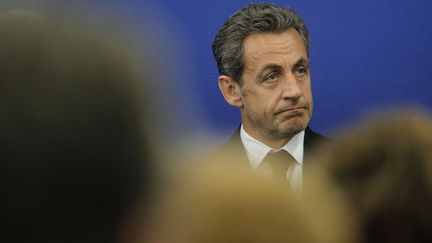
{"x":384,"y":168}
{"x":254,"y":18}
{"x":74,"y":152}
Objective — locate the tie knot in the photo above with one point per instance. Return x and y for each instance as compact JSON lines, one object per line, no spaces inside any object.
{"x":279,"y":162}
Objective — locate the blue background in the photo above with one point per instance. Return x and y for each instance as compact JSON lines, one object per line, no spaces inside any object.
{"x":365,"y":55}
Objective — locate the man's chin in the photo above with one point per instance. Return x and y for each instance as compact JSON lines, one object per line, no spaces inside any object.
{"x":291,"y":128}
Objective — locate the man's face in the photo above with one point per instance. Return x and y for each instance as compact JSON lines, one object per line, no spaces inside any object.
{"x":276,"y":87}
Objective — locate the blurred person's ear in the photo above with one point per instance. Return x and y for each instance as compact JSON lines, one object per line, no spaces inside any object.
{"x":230,"y":90}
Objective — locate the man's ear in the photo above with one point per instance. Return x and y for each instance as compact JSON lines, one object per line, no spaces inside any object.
{"x":230,"y":90}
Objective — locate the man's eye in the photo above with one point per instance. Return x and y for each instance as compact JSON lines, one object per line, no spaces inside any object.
{"x":271,"y":77}
{"x":300,"y":71}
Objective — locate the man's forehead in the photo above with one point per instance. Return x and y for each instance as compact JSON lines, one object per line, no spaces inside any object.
{"x":257,"y":45}
{"x":282,"y":51}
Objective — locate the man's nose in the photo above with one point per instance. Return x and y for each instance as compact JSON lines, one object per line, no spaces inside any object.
{"x":290,"y":87}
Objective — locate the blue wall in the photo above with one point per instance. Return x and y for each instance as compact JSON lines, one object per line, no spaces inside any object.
{"x":365,"y":55}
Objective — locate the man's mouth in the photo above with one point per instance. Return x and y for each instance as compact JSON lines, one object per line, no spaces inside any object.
{"x":292,"y":111}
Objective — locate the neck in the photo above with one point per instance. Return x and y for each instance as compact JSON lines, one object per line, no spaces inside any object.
{"x":275,"y":143}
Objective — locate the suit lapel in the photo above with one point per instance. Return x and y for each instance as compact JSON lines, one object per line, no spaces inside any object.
{"x":235,"y":146}
{"x":234,"y":149}
{"x":311,"y":141}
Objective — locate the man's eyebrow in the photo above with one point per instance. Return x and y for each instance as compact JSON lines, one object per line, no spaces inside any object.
{"x":300,"y":62}
{"x":269,"y":66}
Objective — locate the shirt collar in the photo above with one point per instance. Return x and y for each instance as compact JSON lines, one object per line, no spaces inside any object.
{"x":256,"y":150}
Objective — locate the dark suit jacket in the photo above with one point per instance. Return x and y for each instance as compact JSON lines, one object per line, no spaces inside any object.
{"x":235,"y":147}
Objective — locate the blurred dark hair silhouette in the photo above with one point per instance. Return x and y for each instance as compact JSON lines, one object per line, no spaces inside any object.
{"x":75,"y":156}
{"x":384,"y":168}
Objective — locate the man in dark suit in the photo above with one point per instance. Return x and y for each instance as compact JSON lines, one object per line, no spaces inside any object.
{"x":262,"y":53}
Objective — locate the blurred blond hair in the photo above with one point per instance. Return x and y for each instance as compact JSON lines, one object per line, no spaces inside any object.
{"x":224,"y":202}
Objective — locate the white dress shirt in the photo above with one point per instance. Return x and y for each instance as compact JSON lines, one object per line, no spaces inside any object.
{"x":256,"y":151}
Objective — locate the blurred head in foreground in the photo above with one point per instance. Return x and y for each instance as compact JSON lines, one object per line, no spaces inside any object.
{"x":229,"y":204}
{"x":384,"y":168}
{"x":74,"y":150}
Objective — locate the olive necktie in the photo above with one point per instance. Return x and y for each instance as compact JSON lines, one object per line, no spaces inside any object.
{"x":279,"y":162}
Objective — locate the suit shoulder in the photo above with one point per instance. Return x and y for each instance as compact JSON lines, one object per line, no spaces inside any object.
{"x":232,"y":151}
{"x":313,"y":139}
